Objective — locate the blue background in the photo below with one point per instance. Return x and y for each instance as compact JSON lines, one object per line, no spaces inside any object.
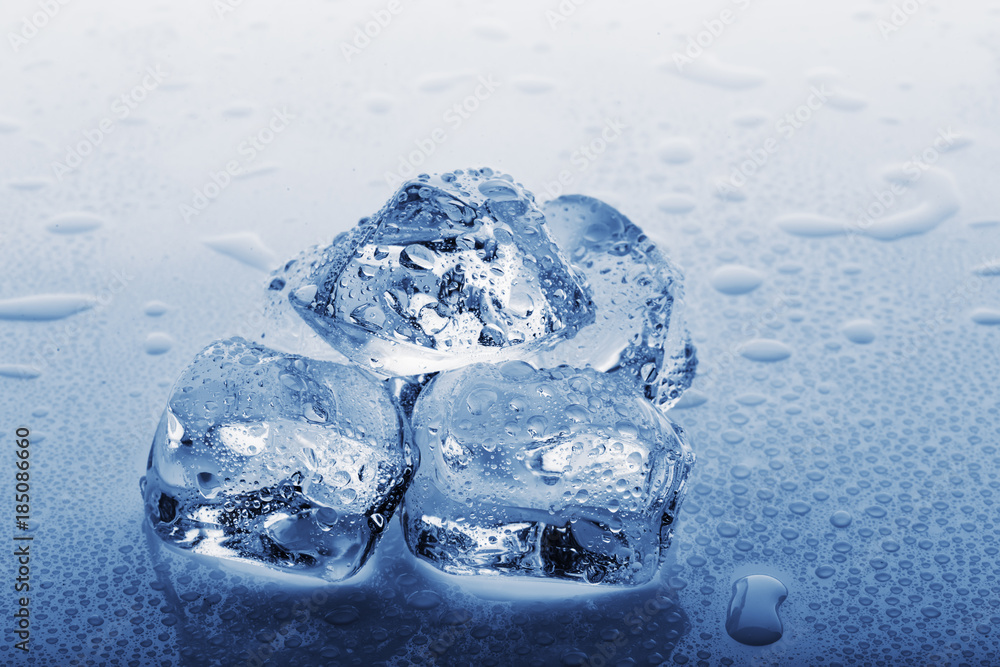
{"x":900,"y":432}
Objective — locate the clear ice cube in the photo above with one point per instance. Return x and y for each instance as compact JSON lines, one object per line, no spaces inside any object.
{"x":639,"y":331}
{"x":455,"y":269}
{"x":563,"y":473}
{"x":278,"y":460}
{"x":277,"y":325}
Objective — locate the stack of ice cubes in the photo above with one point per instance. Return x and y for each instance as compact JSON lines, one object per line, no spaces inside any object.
{"x":533,"y":350}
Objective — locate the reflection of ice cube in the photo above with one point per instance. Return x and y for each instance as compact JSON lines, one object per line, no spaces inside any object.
{"x":564,"y":473}
{"x":276,"y":459}
{"x":454,"y":269}
{"x":640,"y":331}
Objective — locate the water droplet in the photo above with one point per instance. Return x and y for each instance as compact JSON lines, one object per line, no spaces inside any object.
{"x":578,"y":413}
{"x":727,"y":529}
{"x":45,"y":307}
{"x":436,"y":82}
{"x":940,"y":201}
{"x":930,"y":612}
{"x":517,"y":370}
{"x":305,"y":294}
{"x":841,"y":519}
{"x":416,"y":256}
{"x":74,"y":223}
{"x":692,"y":398}
{"x":155,"y":308}
{"x":752,"y":618}
{"x":765,"y":350}
{"x":342,"y":615}
{"x":987,"y":316}
{"x":799,"y":508}
{"x":481,"y":400}
{"x":734,"y":279}
{"x":423,"y":599}
{"x":860,"y":331}
{"x":293,"y":382}
{"x":708,"y":69}
{"x":19,"y":371}
{"x":676,"y":151}
{"x":158,"y":343}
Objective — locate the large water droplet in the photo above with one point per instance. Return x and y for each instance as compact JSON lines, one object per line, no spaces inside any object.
{"x":987,"y":316}
{"x":861,"y":331}
{"x":45,"y":307}
{"x":765,"y":350}
{"x":158,"y":343}
{"x":841,"y":519}
{"x":19,"y":371}
{"x":752,"y":618}
{"x":734,"y":279}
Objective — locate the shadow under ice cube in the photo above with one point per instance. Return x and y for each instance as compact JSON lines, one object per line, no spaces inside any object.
{"x":564,"y":473}
{"x":455,"y":269}
{"x":277,"y":460}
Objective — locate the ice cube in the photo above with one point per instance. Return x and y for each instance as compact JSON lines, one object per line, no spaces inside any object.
{"x":277,"y":325}
{"x":640,"y":332}
{"x":562,"y":473}
{"x":277,"y":460}
{"x":455,"y":269}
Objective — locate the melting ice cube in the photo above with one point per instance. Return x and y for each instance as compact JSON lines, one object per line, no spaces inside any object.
{"x":640,"y":332}
{"x":455,"y":269}
{"x":563,"y":473}
{"x":278,"y":460}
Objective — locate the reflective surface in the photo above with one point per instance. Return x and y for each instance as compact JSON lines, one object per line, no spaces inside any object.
{"x":824,"y":174}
